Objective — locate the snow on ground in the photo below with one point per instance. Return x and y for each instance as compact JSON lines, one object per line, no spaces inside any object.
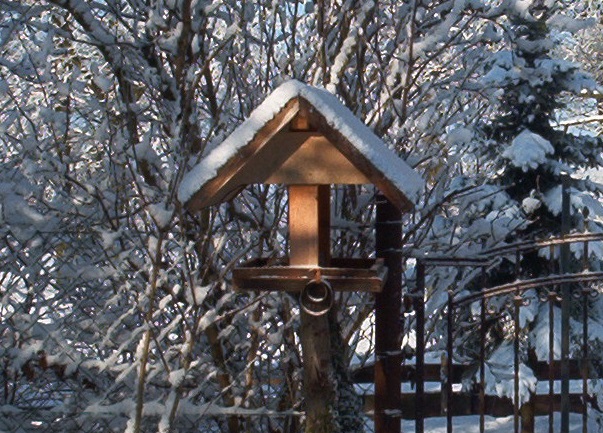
{"x":470,"y":424}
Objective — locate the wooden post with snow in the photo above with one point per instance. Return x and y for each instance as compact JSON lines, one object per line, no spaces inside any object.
{"x":303,"y":137}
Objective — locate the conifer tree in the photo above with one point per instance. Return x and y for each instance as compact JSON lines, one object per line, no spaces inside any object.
{"x":528,"y":156}
{"x":530,"y":153}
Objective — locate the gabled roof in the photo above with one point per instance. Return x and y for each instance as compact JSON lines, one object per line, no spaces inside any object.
{"x":263,"y":143}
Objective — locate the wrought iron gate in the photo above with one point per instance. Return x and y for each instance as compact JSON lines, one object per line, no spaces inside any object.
{"x":471,"y":317}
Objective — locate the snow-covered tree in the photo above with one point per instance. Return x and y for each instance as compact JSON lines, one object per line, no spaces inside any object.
{"x":117,"y":311}
{"x":516,"y":157}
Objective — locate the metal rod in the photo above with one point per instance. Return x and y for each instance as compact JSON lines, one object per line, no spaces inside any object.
{"x":419,"y":307}
{"x":517,"y":302}
{"x":564,"y":261}
{"x":482,"y":358}
{"x":485,"y":258}
{"x":584,"y":366}
{"x":504,"y":289}
{"x":449,"y":344}
{"x":552,"y":298}
{"x":536,"y":245}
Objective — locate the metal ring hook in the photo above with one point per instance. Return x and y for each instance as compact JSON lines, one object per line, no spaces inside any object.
{"x":316,"y":298}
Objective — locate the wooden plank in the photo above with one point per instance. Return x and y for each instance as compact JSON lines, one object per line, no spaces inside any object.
{"x":301,"y":122}
{"x":305,"y":207}
{"x":307,"y":243}
{"x":315,"y":162}
{"x":338,"y":266}
{"x":459,"y":372}
{"x":464,"y":404}
{"x":269,"y":157}
{"x":324,"y":224}
{"x":357,"y":277}
{"x":376,"y":177}
{"x":541,"y":370}
{"x":296,"y":285}
{"x":305,"y":272}
{"x":408,"y":373}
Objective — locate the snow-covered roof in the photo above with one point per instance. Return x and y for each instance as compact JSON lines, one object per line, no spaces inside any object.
{"x":381,"y":165}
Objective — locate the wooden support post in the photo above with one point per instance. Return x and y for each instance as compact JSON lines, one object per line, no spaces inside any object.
{"x":388,"y":324}
{"x":309,"y":223}
{"x":527,"y":412}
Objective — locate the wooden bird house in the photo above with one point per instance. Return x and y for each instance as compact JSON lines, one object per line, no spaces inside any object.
{"x":303,"y":137}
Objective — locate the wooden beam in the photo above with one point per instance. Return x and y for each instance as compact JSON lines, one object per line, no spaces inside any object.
{"x":316,"y":161}
{"x":360,"y":161}
{"x":309,"y":225}
{"x":324,"y":224}
{"x":344,"y":275}
{"x":464,"y":403}
{"x":295,"y":285}
{"x":301,"y":122}
{"x":388,"y":323}
{"x":433,"y":372}
{"x":308,"y":205}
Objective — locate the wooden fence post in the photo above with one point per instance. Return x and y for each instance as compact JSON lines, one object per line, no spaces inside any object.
{"x":388,"y":324}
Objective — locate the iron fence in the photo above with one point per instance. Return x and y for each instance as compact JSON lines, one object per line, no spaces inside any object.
{"x":480,"y":321}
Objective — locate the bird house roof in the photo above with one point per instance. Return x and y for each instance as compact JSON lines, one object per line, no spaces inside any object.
{"x":300,"y":135}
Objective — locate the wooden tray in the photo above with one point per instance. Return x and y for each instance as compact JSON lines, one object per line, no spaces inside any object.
{"x":344,"y":275}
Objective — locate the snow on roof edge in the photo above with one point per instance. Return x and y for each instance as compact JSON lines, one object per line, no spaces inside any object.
{"x":339,"y":117}
{"x":208,"y":167}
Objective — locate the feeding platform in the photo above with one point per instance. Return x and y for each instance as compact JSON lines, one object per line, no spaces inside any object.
{"x":303,"y":137}
{"x":300,"y":135}
{"x":306,"y":139}
{"x":344,"y":275}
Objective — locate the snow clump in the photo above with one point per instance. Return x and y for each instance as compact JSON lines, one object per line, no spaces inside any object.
{"x":528,"y":150}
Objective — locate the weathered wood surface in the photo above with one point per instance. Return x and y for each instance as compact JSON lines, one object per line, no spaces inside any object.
{"x":360,"y":161}
{"x":366,"y":275}
{"x":226,"y":184}
{"x":307,"y":205}
{"x":468,"y":404}
{"x":388,"y":319}
{"x":433,"y":372}
{"x":434,"y":404}
{"x":309,"y":225}
{"x":315,"y":162}
{"x":297,"y":147}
